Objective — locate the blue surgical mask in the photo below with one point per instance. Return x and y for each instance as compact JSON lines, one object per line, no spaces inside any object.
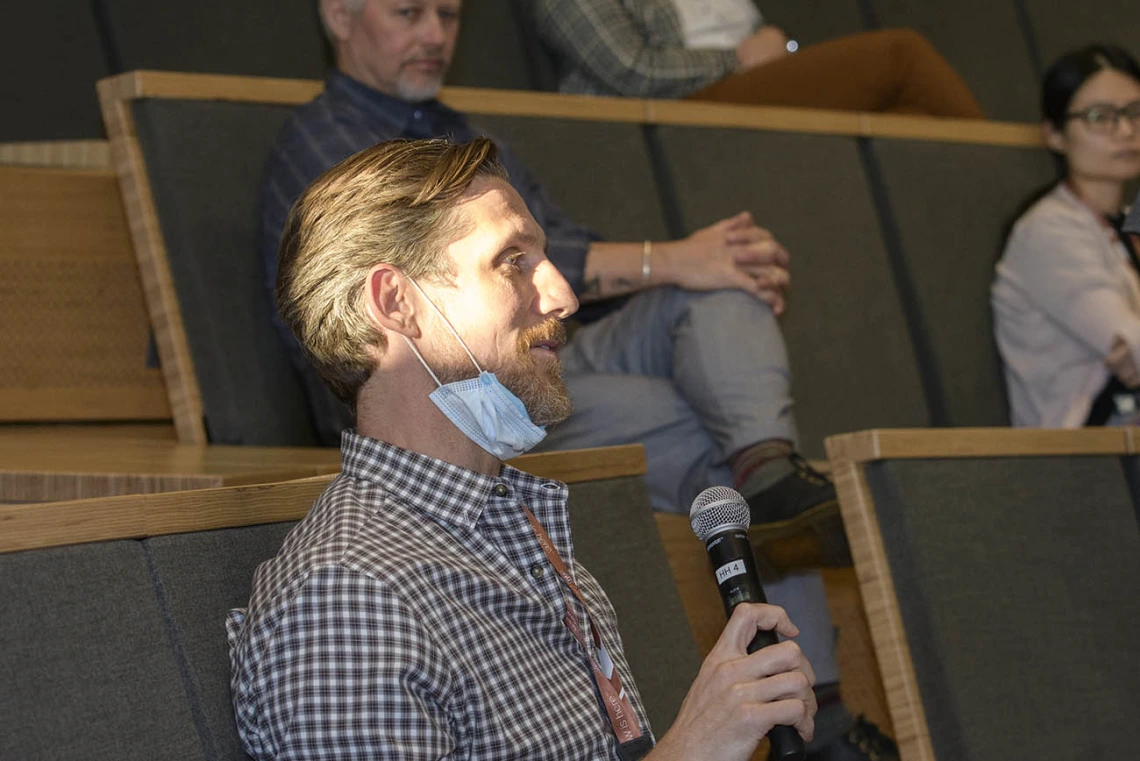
{"x":482,"y":407}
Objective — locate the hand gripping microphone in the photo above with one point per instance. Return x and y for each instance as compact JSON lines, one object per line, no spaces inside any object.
{"x":720,"y":517}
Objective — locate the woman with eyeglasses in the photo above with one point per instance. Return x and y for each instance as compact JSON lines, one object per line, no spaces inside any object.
{"x":1066,"y":297}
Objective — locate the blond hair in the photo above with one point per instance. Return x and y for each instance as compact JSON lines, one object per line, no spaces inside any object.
{"x":391,"y":204}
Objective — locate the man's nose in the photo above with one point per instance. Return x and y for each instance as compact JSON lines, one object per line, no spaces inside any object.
{"x":555,"y":296}
{"x":432,"y":30}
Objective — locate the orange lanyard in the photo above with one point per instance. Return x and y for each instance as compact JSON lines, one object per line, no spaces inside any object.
{"x":622,"y":718}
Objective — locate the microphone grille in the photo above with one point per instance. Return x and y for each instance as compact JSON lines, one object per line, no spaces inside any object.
{"x":718,"y":508}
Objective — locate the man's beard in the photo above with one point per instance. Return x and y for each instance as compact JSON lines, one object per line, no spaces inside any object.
{"x":540,"y":389}
{"x":418,"y":92}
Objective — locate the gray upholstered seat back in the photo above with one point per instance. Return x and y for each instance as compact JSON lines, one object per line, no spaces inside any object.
{"x":271,"y":38}
{"x":204,"y":161}
{"x":600,"y":173}
{"x":87,"y":667}
{"x":204,"y":575}
{"x":1018,"y":581}
{"x":984,"y":41}
{"x":809,"y":23}
{"x":949,"y":206}
{"x":851,"y":357}
{"x":616,"y":539}
{"x":1061,"y":27}
{"x":491,"y":51}
{"x":50,"y":56}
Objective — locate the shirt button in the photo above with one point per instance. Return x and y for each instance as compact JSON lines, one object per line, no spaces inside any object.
{"x":537,"y":571}
{"x":417,"y":114}
{"x":500,"y":490}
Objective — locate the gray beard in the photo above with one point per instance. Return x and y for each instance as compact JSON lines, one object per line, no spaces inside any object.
{"x":418,"y":93}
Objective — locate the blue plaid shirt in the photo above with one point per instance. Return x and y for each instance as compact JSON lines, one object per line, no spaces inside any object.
{"x":347,"y":118}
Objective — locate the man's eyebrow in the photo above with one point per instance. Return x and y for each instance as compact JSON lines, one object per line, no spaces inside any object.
{"x":530,"y":239}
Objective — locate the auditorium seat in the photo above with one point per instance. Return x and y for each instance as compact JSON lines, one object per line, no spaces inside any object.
{"x":50,"y":56}
{"x":809,"y":23}
{"x":984,"y":41}
{"x":202,"y":547}
{"x":999,"y":571}
{"x":1061,"y":27}
{"x":599,"y":172}
{"x":75,"y":338}
{"x":203,"y":160}
{"x":252,"y":37}
{"x":491,"y":50}
{"x":851,"y":357}
{"x":949,"y":207}
{"x":275,"y":39}
{"x":88,"y":668}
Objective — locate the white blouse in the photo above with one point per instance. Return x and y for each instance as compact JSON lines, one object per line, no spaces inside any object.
{"x":719,"y":24}
{"x":1064,"y":290}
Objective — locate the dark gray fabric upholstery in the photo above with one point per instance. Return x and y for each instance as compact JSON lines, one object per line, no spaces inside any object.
{"x":204,"y":160}
{"x":808,"y":23}
{"x":984,"y":41}
{"x":202,"y":576}
{"x":490,"y":51}
{"x":615,"y":537}
{"x":50,"y":56}
{"x":274,"y":38}
{"x":1132,"y":476}
{"x":851,"y":357}
{"x":1019,"y":585}
{"x":950,"y":206}
{"x":1061,"y":27}
{"x":86,"y":666}
{"x":599,"y":172}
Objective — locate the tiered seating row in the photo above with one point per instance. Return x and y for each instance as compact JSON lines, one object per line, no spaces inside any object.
{"x":887,"y":323}
{"x":147,"y":580}
{"x":61,"y":47}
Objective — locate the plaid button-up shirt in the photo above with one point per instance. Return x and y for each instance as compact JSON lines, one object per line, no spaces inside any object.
{"x":630,"y":48}
{"x":413,"y":615}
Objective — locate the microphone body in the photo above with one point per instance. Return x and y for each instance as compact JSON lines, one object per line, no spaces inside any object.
{"x":720,"y":518}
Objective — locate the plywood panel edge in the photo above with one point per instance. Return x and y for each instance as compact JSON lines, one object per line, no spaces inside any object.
{"x":59,"y":154}
{"x":578,"y":465}
{"x":34,"y":526}
{"x":159,"y":293}
{"x":904,"y":701}
{"x":476,"y":100}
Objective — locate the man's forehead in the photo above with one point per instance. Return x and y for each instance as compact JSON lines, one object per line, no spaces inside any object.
{"x":492,"y":209}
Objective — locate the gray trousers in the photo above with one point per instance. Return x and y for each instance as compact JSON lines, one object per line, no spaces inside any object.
{"x":694,"y":377}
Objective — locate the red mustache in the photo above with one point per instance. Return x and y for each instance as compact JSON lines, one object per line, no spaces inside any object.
{"x":552,"y":331}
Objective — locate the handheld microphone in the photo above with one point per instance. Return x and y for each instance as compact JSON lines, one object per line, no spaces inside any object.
{"x":720,"y":517}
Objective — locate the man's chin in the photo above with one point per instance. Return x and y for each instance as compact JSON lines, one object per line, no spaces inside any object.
{"x":416,"y":92}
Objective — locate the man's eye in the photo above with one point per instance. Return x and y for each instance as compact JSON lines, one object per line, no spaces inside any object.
{"x":1132,"y":110}
{"x":515,"y":260}
{"x":408,"y":13}
{"x":1096,"y":115}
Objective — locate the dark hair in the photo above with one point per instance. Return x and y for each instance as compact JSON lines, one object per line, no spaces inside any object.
{"x":1070,"y":71}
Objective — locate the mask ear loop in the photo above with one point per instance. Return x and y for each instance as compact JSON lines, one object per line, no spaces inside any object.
{"x":450,"y":327}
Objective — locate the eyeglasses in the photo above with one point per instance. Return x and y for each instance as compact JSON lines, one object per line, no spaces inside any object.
{"x":1104,"y":119}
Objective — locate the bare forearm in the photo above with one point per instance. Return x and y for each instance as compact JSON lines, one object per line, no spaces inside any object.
{"x":614,"y":269}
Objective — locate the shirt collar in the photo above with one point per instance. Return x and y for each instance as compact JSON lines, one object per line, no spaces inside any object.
{"x":445,"y":492}
{"x":402,"y":114}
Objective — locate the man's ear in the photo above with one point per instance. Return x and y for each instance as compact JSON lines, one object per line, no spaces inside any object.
{"x":386,"y":296}
{"x":1054,"y":138}
{"x":337,"y":17}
